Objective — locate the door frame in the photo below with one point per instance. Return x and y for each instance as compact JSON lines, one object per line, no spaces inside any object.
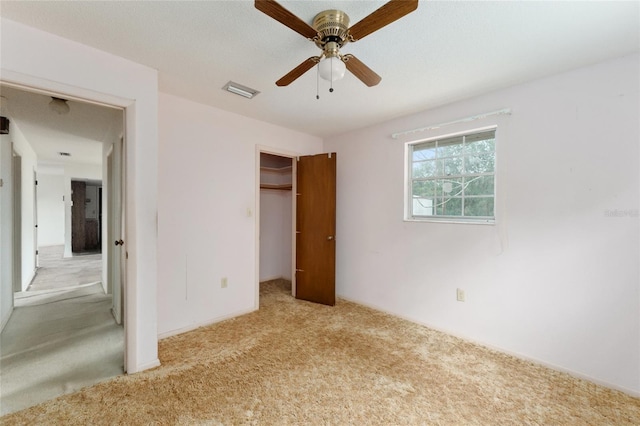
{"x":16,"y":170}
{"x":281,"y":153}
{"x":26,"y":83}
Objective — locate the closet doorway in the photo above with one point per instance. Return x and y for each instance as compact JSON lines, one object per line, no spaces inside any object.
{"x":276,"y":219}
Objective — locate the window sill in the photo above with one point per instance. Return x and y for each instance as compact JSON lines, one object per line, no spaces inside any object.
{"x":452,"y":220}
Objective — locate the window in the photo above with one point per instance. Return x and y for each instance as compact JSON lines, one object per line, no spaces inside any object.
{"x":453,"y":178}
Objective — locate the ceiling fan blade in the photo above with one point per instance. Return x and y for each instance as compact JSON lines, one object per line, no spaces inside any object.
{"x":298,"y":71}
{"x":282,"y":15}
{"x":360,"y":70}
{"x":391,"y":11}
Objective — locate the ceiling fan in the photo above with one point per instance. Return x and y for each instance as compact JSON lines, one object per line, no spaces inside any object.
{"x":330,"y":31}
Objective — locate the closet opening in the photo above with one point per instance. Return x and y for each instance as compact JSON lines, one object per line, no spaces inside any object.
{"x":276,"y":233}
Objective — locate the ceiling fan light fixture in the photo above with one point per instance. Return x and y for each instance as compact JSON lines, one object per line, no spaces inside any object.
{"x":59,"y":106}
{"x":330,"y":31}
{"x":332,"y":68}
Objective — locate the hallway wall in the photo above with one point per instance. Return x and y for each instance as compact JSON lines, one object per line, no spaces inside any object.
{"x":28,"y":220}
{"x":51,"y":212}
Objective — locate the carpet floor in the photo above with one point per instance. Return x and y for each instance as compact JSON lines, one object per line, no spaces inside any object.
{"x":293,"y":362}
{"x":61,"y":336}
{"x":58,"y":342}
{"x":56,"y":271}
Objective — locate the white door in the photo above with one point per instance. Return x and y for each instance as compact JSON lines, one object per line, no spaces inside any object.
{"x":35,"y":218}
{"x":17,"y":222}
{"x":116,"y":250}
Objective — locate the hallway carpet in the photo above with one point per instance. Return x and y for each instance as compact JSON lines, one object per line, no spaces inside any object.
{"x":61,"y":336}
{"x":56,"y":271}
{"x":57,"y":342}
{"x":298,"y":363}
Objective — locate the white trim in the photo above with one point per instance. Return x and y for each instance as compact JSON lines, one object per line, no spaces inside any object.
{"x":504,"y":111}
{"x":518,"y":355}
{"x":28,"y":82}
{"x":436,"y":219}
{"x":48,"y":87}
{"x":31,"y":277}
{"x":294,"y":156}
{"x":7,"y":316}
{"x":192,"y":327}
{"x":153,"y":364}
{"x":34,"y":293}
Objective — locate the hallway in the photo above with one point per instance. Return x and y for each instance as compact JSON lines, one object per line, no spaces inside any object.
{"x":61,"y":336}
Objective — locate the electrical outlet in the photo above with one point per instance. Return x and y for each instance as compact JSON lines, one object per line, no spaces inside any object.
{"x":460,"y":295}
{"x":223,"y":283}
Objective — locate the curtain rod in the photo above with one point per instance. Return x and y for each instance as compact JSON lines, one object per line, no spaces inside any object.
{"x":504,"y":111}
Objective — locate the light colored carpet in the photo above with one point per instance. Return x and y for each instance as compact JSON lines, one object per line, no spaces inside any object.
{"x":294,"y":362}
{"x":58,"y":342}
{"x":56,"y":271}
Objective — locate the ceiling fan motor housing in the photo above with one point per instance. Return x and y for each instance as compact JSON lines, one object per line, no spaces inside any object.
{"x":333,"y":27}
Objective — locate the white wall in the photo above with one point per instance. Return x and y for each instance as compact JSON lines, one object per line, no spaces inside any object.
{"x":207,"y":210}
{"x":33,"y":58}
{"x":275,"y":234}
{"x":54,"y":201}
{"x":51,"y":212}
{"x":557,"y":279}
{"x":29,"y":163}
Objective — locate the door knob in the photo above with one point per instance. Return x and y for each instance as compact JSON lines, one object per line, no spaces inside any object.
{"x":119,"y":242}
{"x":330,"y":237}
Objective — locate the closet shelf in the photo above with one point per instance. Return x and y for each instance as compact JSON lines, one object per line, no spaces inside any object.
{"x":281,"y":170}
{"x":283,"y":187}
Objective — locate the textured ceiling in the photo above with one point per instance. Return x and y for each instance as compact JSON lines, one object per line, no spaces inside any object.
{"x":80,"y":133}
{"x":442,"y":52}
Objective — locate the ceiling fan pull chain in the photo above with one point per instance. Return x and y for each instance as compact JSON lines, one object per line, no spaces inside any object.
{"x":318,"y":81}
{"x":331,"y":88}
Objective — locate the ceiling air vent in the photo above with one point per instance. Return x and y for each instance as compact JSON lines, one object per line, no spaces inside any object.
{"x":239,"y":89}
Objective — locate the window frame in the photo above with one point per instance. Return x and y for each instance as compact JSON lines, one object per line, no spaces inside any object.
{"x":408,"y":179}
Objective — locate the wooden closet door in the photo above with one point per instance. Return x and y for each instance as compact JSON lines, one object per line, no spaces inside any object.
{"x":316,"y":228}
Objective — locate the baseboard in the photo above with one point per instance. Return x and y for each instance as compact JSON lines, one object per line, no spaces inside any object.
{"x":30,"y":281}
{"x":177,"y":331}
{"x":32,"y":293}
{"x":6,"y":318}
{"x":534,"y":360}
{"x":153,"y":364}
